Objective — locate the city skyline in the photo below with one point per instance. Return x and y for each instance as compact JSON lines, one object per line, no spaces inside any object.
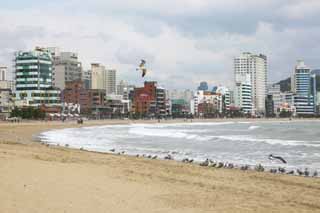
{"x":181,"y":44}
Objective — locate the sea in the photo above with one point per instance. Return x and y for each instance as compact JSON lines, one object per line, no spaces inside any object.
{"x":240,"y":143}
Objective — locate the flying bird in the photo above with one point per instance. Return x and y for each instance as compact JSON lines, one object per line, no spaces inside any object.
{"x":272,"y":157}
{"x":142,"y":67}
{"x":143,"y":62}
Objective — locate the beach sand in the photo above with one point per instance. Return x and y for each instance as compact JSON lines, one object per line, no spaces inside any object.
{"x":36,"y":178}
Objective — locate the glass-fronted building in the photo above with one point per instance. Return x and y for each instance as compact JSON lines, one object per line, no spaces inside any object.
{"x":33,"y":77}
{"x":303,"y":98}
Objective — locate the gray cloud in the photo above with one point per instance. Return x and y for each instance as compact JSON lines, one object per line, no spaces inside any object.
{"x":184,"y":41}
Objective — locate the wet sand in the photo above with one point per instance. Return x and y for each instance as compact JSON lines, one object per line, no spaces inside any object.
{"x":37,"y":178}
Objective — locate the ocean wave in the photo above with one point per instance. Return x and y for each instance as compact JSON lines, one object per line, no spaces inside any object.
{"x":248,"y":138}
{"x":170,"y":133}
{"x":163,"y":125}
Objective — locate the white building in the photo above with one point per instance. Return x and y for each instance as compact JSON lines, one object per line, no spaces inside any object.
{"x":243,"y":93}
{"x":111,"y":81}
{"x":194,"y":103}
{"x":256,"y":67}
{"x":33,"y":77}
{"x":98,"y":76}
{"x":201,"y":97}
{"x":102,"y":78}
{"x":225,"y":98}
{"x":66,"y":68}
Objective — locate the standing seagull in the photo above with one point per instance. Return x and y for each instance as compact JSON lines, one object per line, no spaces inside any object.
{"x":142,"y":68}
{"x":272,"y":157}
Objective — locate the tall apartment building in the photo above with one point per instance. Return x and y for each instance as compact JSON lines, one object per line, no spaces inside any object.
{"x":33,"y":77}
{"x":102,"y":78}
{"x":302,"y":89}
{"x":66,"y":68}
{"x":256,"y":67}
{"x":98,"y":76}
{"x":111,"y":82}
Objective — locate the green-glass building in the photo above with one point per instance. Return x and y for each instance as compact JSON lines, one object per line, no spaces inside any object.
{"x":33,"y":75}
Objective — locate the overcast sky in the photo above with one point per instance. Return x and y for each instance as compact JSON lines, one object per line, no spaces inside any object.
{"x":183,"y":41}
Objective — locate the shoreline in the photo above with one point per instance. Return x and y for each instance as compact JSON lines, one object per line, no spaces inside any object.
{"x":62,"y":179}
{"x":209,"y":163}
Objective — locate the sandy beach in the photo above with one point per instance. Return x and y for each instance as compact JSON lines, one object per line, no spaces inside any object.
{"x":36,"y":178}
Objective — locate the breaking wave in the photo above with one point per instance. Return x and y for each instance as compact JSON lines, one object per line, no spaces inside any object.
{"x":231,"y":141}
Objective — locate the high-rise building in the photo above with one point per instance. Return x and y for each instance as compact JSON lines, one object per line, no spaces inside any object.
{"x":302,"y":89}
{"x":66,"y":68}
{"x":111,"y":82}
{"x":256,"y":67}
{"x":33,"y":77}
{"x":102,"y":78}
{"x":98,"y":76}
{"x":3,"y":73}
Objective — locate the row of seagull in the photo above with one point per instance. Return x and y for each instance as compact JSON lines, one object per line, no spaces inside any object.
{"x":259,"y":168}
{"x":216,"y":164}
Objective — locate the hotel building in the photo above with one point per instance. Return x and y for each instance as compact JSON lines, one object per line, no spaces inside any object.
{"x":66,"y":68}
{"x":243,"y":93}
{"x":302,"y":89}
{"x":33,"y":76}
{"x":102,"y":78}
{"x":256,"y":67}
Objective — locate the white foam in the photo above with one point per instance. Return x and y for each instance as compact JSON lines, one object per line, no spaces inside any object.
{"x":248,"y":138}
{"x":193,"y":140}
{"x":168,"y":133}
{"x":163,"y":125}
{"x":253,"y":127}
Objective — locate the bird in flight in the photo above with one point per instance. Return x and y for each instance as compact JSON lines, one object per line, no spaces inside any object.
{"x":272,"y":157}
{"x":142,"y":67}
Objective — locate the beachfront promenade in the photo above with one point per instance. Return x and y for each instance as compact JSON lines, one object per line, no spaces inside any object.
{"x":37,"y":178}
